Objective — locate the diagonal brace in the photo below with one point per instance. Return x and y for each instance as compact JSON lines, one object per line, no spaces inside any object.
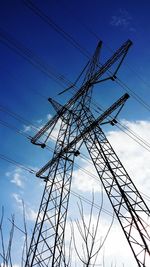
{"x":99,"y":120}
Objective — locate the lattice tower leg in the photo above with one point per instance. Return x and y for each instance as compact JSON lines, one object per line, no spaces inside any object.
{"x":127,"y":202}
{"x":48,"y":235}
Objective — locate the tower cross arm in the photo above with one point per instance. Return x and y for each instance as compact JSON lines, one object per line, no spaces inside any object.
{"x":121,"y":52}
{"x":50,"y":124}
{"x":81,"y":136}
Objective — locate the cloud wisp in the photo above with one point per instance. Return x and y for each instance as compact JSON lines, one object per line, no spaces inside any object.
{"x":17,"y":177}
{"x":136,"y":161}
{"x":83,"y":181}
{"x":134,"y":157}
{"x":30,"y":213}
{"x":32,"y":130}
{"x":122,"y":20}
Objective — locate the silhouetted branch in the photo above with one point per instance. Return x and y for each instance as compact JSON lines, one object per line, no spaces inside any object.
{"x":1,"y":237}
{"x":6,"y":248}
{"x":88,"y":230}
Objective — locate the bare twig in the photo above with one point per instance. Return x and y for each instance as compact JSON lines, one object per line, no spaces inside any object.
{"x":88,"y":232}
{"x":2,"y":238}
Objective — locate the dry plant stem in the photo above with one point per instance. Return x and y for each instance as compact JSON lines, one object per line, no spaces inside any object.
{"x":89,"y":232}
{"x":25,"y":245}
{"x":67,"y":260}
{"x":6,"y":253}
{"x":2,"y":238}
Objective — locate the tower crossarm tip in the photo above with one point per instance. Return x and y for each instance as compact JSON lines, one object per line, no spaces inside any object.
{"x":121,"y":52}
{"x":103,"y":116}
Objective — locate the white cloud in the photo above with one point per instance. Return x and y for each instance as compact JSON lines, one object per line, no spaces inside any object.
{"x":135,"y":158}
{"x":83,"y":181}
{"x":115,"y":248}
{"x":119,"y":21}
{"x":30,"y":213}
{"x":136,"y":161}
{"x":123,"y":20}
{"x":39,"y":124}
{"x":17,"y":177}
{"x":49,"y":116}
{"x":17,"y":180}
{"x":17,"y":198}
{"x":27,"y":128}
{"x":54,"y":134}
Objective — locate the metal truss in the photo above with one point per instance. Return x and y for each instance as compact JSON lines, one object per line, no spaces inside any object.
{"x":128,"y":204}
{"x":47,"y":240}
{"x":78,"y":124}
{"x":46,"y":247}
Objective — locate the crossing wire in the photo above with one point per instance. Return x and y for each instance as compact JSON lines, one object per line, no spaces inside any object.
{"x":31,"y":171}
{"x":31,"y":57}
{"x":69,"y":38}
{"x":97,"y":107}
{"x":94,"y":103}
{"x":57,"y":77}
{"x":36,"y":61}
{"x":143,"y":143}
{"x":49,"y":148}
{"x":3,"y":123}
{"x":56,"y":27}
{"x":138,"y":139}
{"x":95,"y":35}
{"x":29,"y":54}
{"x":17,"y":164}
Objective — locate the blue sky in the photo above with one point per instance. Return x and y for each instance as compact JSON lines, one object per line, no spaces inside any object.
{"x":59,"y":48}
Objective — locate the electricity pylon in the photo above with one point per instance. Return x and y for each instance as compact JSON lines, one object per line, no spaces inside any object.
{"x":78,"y":125}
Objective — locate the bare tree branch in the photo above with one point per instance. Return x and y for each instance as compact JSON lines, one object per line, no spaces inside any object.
{"x":2,"y":238}
{"x":88,"y":232}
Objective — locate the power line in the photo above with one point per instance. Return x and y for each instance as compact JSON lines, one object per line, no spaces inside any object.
{"x":134,"y":95}
{"x":128,"y":66}
{"x":18,"y":117}
{"x":3,"y":123}
{"x":86,"y":200}
{"x":122,"y":196}
{"x":141,"y":141}
{"x":138,"y":139}
{"x":31,"y":57}
{"x":17,"y":164}
{"x":38,"y":63}
{"x":57,"y":28}
{"x":135,"y":137}
{"x":31,"y":171}
{"x":44,"y":67}
{"x":49,"y":148}
{"x":69,"y":38}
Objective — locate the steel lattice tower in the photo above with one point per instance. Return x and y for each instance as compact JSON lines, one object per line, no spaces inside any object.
{"x":79,"y":125}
